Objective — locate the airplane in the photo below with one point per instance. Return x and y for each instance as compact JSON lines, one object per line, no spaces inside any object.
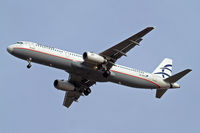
{"x":87,"y":69}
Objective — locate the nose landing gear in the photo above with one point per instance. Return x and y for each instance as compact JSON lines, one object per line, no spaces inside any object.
{"x":29,"y":63}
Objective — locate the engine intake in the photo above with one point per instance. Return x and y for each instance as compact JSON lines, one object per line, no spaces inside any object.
{"x":63,"y":85}
{"x":93,"y":58}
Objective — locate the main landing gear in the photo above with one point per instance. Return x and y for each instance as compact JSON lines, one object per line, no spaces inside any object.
{"x":29,"y":63}
{"x":103,"y":68}
{"x":106,"y":73}
{"x":87,"y":91}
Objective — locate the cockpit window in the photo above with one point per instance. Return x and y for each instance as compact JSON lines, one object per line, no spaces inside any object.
{"x":19,"y":42}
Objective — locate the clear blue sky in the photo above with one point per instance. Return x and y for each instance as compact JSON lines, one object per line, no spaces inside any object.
{"x":30,"y":103}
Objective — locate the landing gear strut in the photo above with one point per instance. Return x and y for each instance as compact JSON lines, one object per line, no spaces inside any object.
{"x":87,"y":91}
{"x":106,"y":73}
{"x":29,"y":63}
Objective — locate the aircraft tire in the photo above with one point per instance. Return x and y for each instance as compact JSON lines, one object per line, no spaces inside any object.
{"x":29,"y":66}
{"x":87,"y":91}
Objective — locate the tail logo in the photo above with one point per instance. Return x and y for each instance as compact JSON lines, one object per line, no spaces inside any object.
{"x":165,"y":71}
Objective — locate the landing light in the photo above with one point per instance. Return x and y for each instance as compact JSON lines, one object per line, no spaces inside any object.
{"x":95,"y":67}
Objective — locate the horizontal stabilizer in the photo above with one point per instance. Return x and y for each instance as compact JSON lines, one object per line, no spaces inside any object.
{"x":160,"y":92}
{"x":70,"y":97}
{"x":177,"y":76}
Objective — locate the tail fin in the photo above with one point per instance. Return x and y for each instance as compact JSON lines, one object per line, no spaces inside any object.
{"x":172,"y":80}
{"x":164,"y":70}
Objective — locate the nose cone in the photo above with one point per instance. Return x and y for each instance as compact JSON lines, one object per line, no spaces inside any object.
{"x":10,"y":49}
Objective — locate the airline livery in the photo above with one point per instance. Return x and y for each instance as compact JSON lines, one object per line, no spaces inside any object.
{"x":87,"y":69}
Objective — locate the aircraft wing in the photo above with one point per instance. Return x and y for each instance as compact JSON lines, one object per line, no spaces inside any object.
{"x":123,"y":47}
{"x":81,"y":83}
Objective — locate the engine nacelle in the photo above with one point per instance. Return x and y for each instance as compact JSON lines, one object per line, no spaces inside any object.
{"x":93,"y":58}
{"x":63,"y":85}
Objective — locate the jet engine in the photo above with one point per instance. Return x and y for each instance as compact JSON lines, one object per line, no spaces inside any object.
{"x":63,"y":85}
{"x":93,"y":58}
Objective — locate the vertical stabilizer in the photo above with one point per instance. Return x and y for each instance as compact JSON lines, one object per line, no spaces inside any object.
{"x":164,"y":70}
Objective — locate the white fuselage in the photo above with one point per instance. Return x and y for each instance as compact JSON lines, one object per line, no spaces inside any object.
{"x":72,"y":63}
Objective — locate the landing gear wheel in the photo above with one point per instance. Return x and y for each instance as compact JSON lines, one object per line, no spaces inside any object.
{"x":29,"y":63}
{"x":106,"y":73}
{"x":87,"y":91}
{"x":29,"y":66}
